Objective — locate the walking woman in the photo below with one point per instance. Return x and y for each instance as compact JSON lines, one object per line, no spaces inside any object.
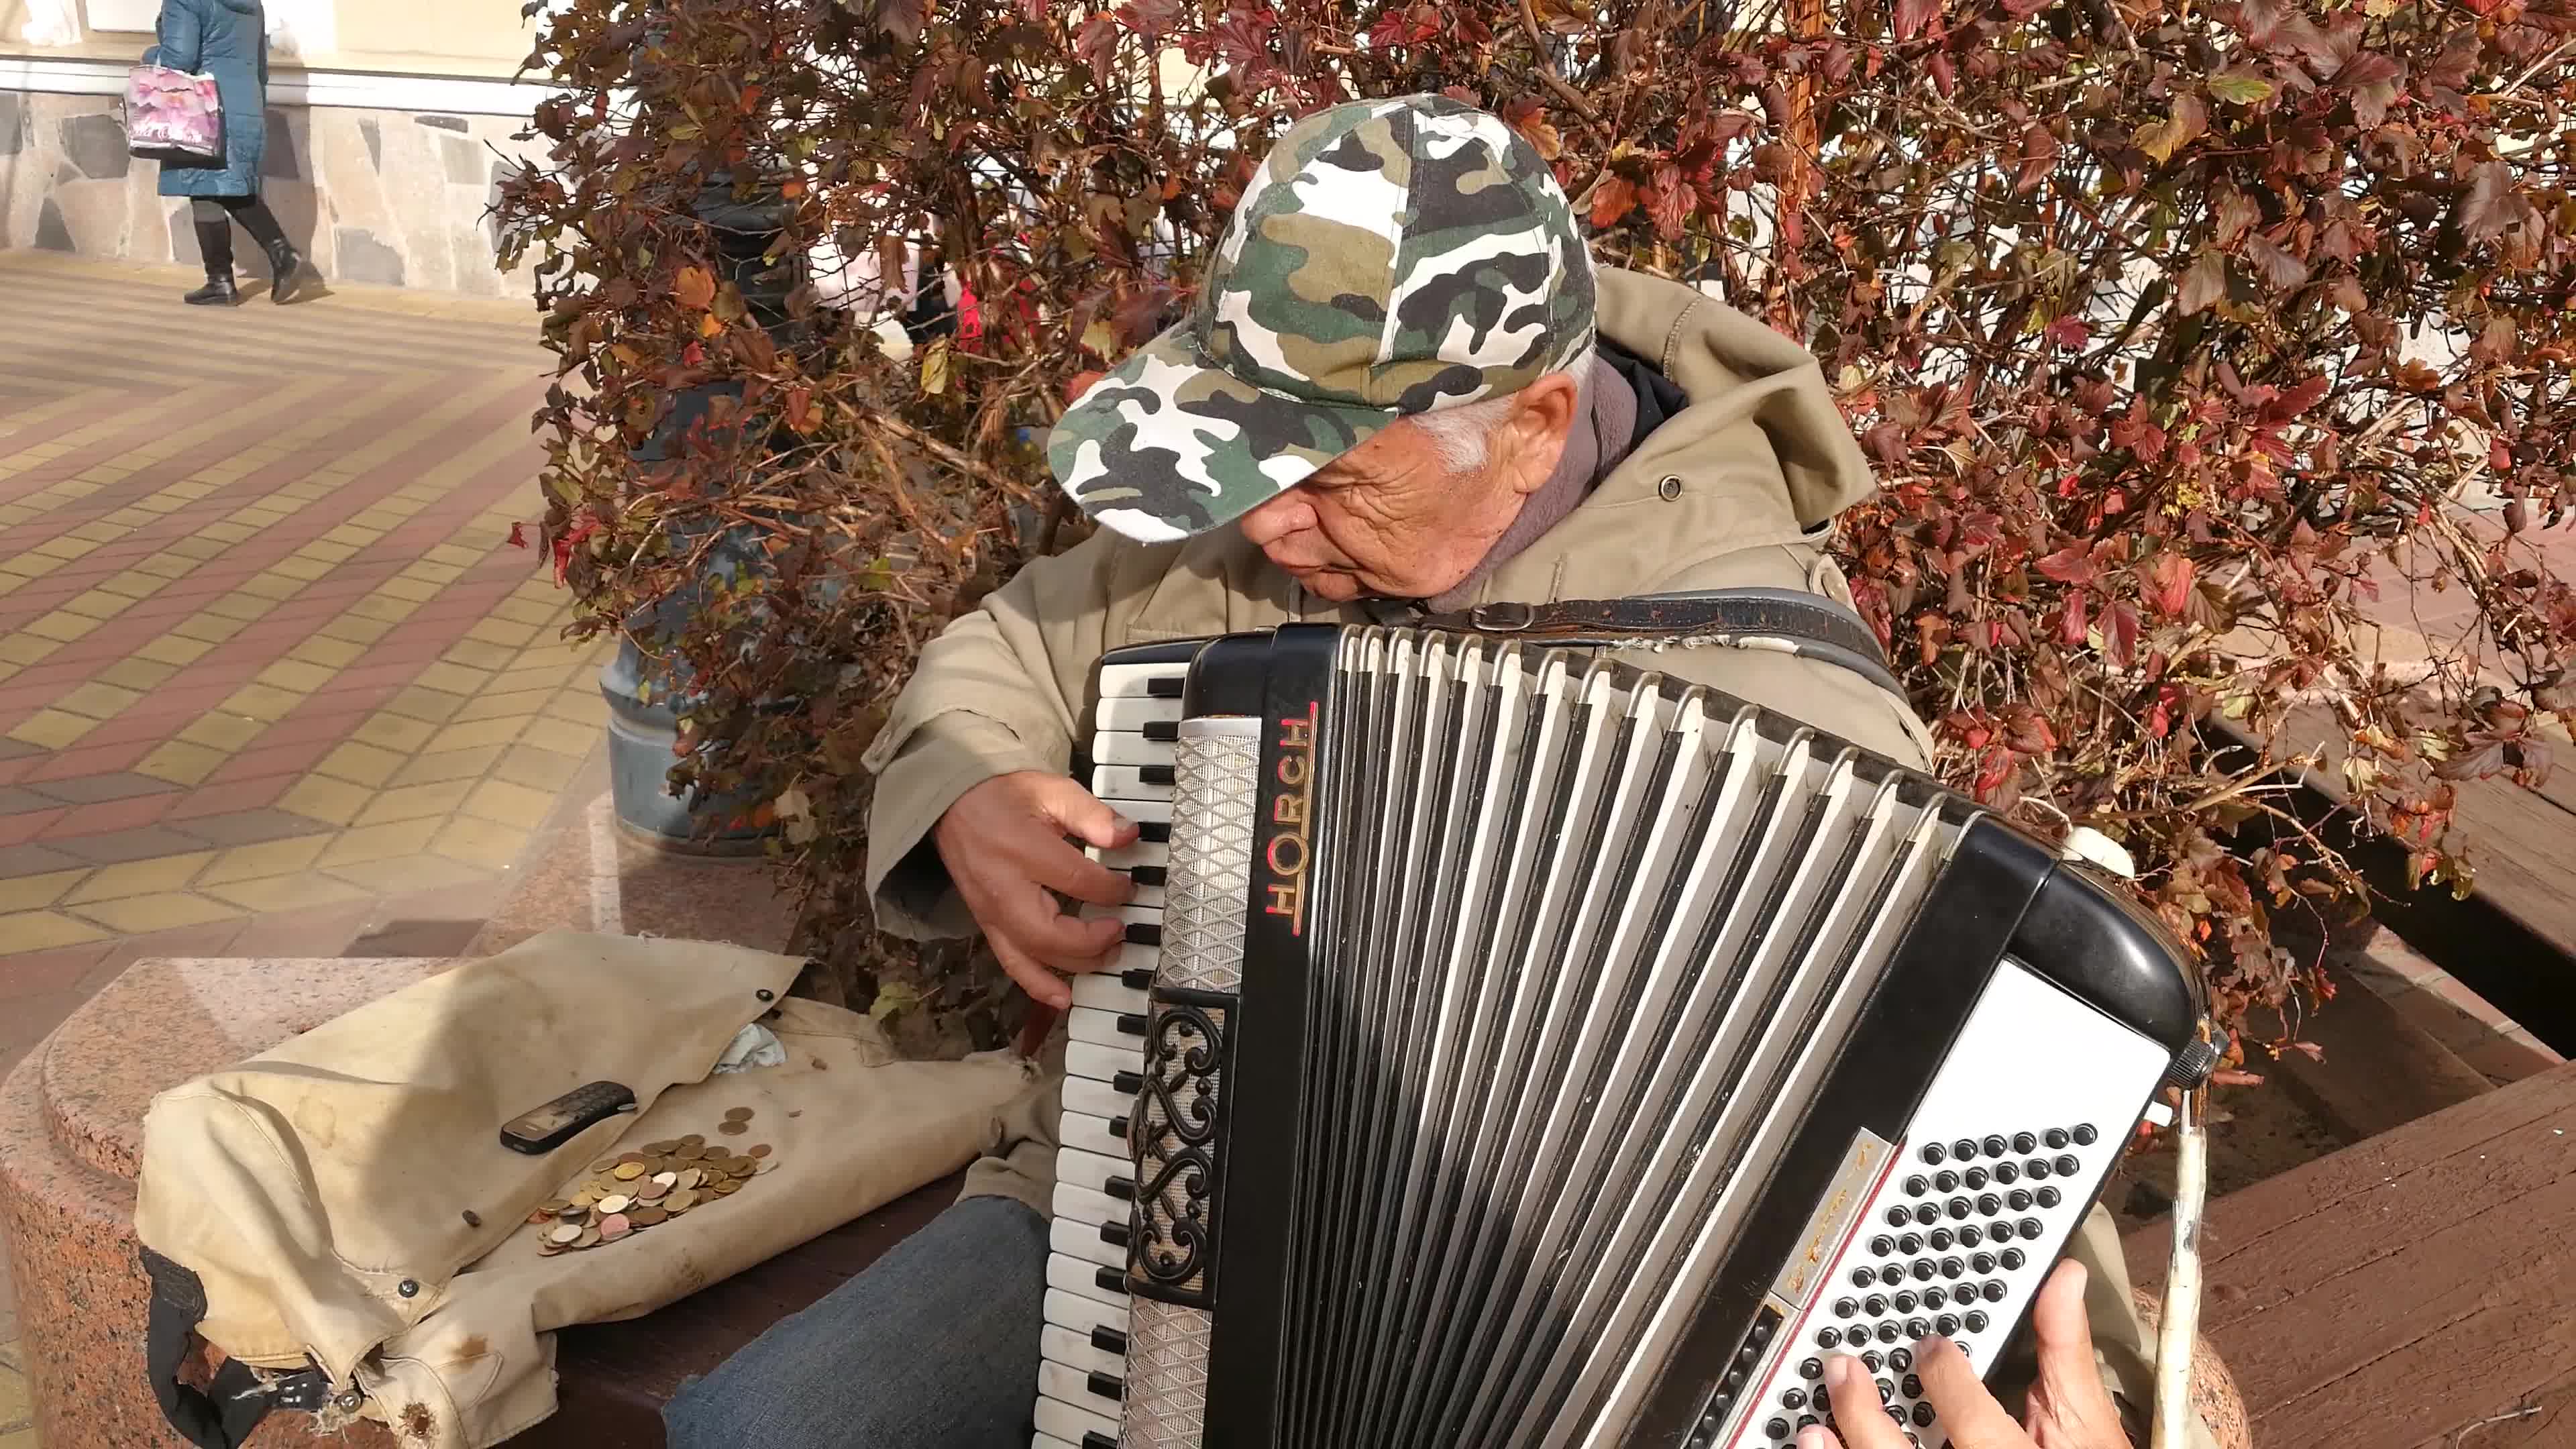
{"x":228,"y":40}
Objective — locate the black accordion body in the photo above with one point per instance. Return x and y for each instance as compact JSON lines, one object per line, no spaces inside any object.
{"x":1519,"y":1049}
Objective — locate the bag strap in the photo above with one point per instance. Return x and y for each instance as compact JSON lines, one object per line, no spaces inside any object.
{"x":222,"y":1414}
{"x":1787,"y":621}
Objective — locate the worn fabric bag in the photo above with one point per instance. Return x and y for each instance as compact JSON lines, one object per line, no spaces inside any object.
{"x":173,"y":114}
{"x":341,"y":1211}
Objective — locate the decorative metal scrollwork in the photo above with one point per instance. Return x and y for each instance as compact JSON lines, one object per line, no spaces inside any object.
{"x":1180,"y":1167}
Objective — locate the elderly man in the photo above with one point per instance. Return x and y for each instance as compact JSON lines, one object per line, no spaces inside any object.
{"x":1404,"y":388}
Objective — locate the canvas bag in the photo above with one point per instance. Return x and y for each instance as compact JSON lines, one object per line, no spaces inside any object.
{"x":305,"y":1210}
{"x":173,"y":114}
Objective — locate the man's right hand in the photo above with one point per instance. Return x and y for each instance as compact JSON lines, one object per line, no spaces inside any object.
{"x":1004,"y":843}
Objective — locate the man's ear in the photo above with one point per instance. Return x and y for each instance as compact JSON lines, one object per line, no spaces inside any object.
{"x":1534,"y":436}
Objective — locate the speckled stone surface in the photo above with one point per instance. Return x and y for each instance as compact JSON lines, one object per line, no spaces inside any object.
{"x":71,"y":1122}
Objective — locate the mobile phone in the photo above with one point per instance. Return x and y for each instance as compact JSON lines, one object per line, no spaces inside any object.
{"x":558,"y":1121}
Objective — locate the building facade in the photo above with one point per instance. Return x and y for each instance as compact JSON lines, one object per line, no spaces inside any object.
{"x":390,"y":127}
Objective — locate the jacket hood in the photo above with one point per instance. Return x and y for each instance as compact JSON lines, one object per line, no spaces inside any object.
{"x":1735,"y":371}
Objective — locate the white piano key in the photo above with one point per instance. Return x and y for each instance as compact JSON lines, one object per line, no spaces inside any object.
{"x":1087,"y":1205}
{"x":1135,"y":681}
{"x":1144,"y":810}
{"x":1093,"y":1170}
{"x":1103,"y":991}
{"x":1092,"y":1134}
{"x":1126,"y":747}
{"x":1101,"y":1028}
{"x":1080,"y":1314}
{"x":1064,"y":1421}
{"x":1083,"y":1280}
{"x":1134,"y":712}
{"x":1142,"y":852}
{"x":1102,"y":1064}
{"x":1083,"y":1240}
{"x":1124,"y":783}
{"x":1081,"y":1094}
{"x":1064,"y":1381}
{"x":1076,"y":1350}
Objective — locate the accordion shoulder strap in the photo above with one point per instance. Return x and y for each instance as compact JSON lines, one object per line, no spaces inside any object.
{"x":1791,"y":621}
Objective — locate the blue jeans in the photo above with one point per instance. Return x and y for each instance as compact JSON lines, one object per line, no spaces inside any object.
{"x":935,"y":1346}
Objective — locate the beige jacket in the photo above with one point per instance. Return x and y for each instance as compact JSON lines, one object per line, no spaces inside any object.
{"x":1734,"y":491}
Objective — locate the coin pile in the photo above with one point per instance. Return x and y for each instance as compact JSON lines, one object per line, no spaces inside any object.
{"x":655,"y":1183}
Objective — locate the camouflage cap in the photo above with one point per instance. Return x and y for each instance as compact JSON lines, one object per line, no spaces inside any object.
{"x":1390,"y":257}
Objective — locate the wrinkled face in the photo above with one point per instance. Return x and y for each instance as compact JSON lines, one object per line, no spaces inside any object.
{"x":1392,"y":519}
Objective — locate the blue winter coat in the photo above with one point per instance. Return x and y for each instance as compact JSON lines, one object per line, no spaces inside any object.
{"x":228,"y":40}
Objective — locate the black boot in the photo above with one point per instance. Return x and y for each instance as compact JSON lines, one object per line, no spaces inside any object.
{"x":284,"y":262}
{"x":215,"y":241}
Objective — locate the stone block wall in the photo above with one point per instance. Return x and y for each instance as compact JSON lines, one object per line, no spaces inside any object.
{"x":392,"y":198}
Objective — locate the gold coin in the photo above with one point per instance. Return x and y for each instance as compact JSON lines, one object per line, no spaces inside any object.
{"x":656,"y":1149}
{"x":734,"y":1129}
{"x":603,"y":1164}
{"x":768,"y":1164}
{"x":691,"y":1151}
{"x":564,"y":1233}
{"x":589,"y":1239}
{"x":548,"y":1250}
{"x":646,"y":1216}
{"x":729,"y":1187}
{"x":738,"y":1114}
{"x":760,"y":1151}
{"x":694,"y":1139}
{"x":610,"y":1206}
{"x":555,"y":1205}
{"x":629,"y":1171}
{"x":680,"y":1200}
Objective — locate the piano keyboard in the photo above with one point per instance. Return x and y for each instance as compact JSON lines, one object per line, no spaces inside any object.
{"x":1082,"y":1351}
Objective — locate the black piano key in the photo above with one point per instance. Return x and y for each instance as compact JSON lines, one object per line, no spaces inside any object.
{"x":1166,"y":686}
{"x":1111,"y":1279}
{"x":1154,"y":774}
{"x":1093,"y":1438}
{"x":1121,"y":1188}
{"x":1104,"y":1385}
{"x":1114,"y":1234}
{"x":1128,"y":1084}
{"x":1118,"y":1126}
{"x":1158,"y":832}
{"x":1164,"y":730}
{"x":1109,"y":1340}
{"x":1131,"y":1023}
{"x":1139,"y":979}
{"x":1144,"y":933}
{"x":1146,"y":875}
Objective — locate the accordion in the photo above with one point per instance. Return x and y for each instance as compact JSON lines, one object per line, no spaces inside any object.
{"x":1517,"y":1048}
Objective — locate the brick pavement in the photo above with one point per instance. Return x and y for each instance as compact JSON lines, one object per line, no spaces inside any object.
{"x":271,"y":674}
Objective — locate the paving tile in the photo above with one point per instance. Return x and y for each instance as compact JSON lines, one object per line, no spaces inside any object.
{"x":563,"y":736}
{"x":379,"y":606}
{"x":98,"y":700}
{"x":335,"y":654}
{"x":297,"y":675}
{"x":52,"y":728}
{"x":359,"y":763}
{"x":166,"y":911}
{"x":452,"y":678}
{"x":99,"y":790}
{"x":298,"y":891}
{"x":15,"y":801}
{"x":141,"y":675}
{"x":470,"y":764}
{"x":336,"y":801}
{"x":33,"y":892}
{"x":318,"y":723}
{"x":31,"y":858}
{"x":209,"y":627}
{"x":476,"y":841}
{"x":535,"y":768}
{"x":479,"y":732}
{"x":535,"y":613}
{"x":476,"y":654}
{"x":275,"y":857}
{"x":25,"y":974}
{"x":320,"y":931}
{"x":410,"y":872}
{"x":220,"y":731}
{"x":262,"y":701}
{"x":245,"y":603}
{"x":174,"y":649}
{"x":181,"y":762}
{"x":510,"y":804}
{"x":506,"y":632}
{"x":425,"y":704}
{"x":109,"y":847}
{"x":249,"y":827}
{"x":267,"y":760}
{"x":410,"y":802}
{"x":60,"y":627}
{"x":45,"y":931}
{"x":387,"y":841}
{"x":394,"y":732}
{"x":138,"y":877}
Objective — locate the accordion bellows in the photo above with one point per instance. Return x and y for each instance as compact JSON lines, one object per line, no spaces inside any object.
{"x":1542,"y":1052}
